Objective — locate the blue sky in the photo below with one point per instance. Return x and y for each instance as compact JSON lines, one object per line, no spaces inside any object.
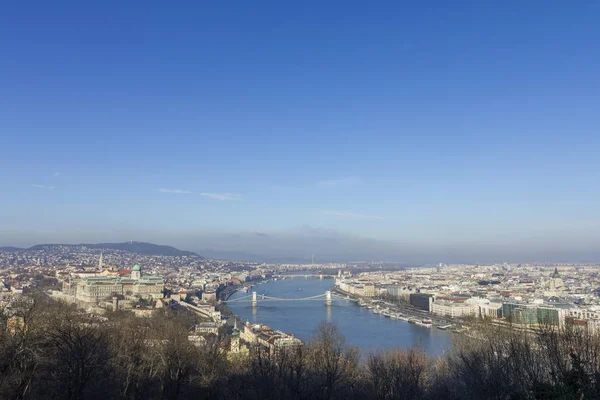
{"x":435,"y":125}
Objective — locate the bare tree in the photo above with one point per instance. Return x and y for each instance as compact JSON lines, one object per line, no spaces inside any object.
{"x":398,"y":373}
{"x":76,"y":355}
{"x":333,"y":365}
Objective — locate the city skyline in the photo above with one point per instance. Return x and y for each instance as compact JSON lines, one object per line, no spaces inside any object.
{"x":418,"y":133}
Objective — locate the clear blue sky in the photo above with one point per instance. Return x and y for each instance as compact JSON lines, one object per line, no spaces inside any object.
{"x":437,"y":124}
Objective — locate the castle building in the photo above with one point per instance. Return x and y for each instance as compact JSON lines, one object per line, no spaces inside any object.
{"x":97,"y":288}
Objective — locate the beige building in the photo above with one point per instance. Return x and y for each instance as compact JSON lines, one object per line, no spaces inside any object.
{"x":209,"y":295}
{"x":273,"y":341}
{"x":490,"y":310}
{"x":97,"y":288}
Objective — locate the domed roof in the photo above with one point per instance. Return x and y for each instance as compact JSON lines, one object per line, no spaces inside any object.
{"x":136,"y":268}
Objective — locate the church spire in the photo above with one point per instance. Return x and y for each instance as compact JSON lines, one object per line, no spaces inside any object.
{"x":100,"y":262}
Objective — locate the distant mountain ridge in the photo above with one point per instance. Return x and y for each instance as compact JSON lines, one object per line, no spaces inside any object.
{"x":143,"y":248}
{"x":250,"y":257}
{"x":10,"y":249}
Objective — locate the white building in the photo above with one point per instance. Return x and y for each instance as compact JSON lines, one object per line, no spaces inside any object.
{"x":454,"y":309}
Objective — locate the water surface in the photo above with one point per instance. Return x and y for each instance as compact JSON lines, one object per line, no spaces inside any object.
{"x":359,"y":325}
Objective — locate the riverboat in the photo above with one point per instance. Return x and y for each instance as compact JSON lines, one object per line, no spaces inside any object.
{"x":427,"y":323}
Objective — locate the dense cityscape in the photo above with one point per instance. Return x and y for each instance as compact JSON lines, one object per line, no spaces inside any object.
{"x":444,"y":296}
{"x":103,"y":286}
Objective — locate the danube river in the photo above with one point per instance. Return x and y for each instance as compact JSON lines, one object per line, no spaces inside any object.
{"x":359,"y":325}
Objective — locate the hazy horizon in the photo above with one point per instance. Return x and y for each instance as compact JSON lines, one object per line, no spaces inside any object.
{"x":410,"y":132}
{"x":329,"y":245}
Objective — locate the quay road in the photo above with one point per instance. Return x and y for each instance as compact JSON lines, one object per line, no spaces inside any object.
{"x":405,"y":309}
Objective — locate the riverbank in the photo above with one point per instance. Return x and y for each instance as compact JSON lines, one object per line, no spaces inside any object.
{"x":404,"y":313}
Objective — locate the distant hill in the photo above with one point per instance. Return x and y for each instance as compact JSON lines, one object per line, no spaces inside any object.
{"x":249,"y":257}
{"x":148,"y":249}
{"x":10,"y":249}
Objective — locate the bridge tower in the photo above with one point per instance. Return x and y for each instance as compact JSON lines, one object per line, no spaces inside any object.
{"x":328,"y":298}
{"x":254,"y":300}
{"x":321,"y":276}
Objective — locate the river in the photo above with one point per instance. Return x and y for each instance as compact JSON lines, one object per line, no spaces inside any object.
{"x":359,"y":325}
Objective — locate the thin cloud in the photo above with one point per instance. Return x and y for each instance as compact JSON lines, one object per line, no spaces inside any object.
{"x":56,"y":174}
{"x":223,"y":196}
{"x":174,"y":191}
{"x":586,"y":223}
{"x":347,"y":181}
{"x":43,"y":187}
{"x":353,"y":215}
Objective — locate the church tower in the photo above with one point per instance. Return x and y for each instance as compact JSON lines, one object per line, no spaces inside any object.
{"x":100,"y":262}
{"x":235,"y":339}
{"x":556,"y":282}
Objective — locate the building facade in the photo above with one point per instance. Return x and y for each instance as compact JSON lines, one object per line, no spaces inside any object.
{"x":97,"y":288}
{"x":423,"y":301}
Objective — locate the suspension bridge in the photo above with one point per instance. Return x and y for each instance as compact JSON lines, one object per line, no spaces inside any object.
{"x":291,"y":276}
{"x":253,"y":298}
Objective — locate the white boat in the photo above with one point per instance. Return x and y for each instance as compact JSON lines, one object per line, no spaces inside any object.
{"x":427,"y":323}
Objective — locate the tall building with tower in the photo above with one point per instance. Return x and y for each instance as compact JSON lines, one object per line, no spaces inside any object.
{"x":235,"y":339}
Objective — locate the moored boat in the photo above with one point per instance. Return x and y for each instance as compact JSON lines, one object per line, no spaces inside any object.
{"x":427,"y":323}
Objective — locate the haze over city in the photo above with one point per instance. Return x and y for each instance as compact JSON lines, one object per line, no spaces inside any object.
{"x":459,"y":132}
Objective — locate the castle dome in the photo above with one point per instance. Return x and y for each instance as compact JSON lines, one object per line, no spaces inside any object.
{"x":136,"y":267}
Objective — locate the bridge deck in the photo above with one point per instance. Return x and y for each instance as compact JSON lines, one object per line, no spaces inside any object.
{"x":248,"y":299}
{"x":261,"y":300}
